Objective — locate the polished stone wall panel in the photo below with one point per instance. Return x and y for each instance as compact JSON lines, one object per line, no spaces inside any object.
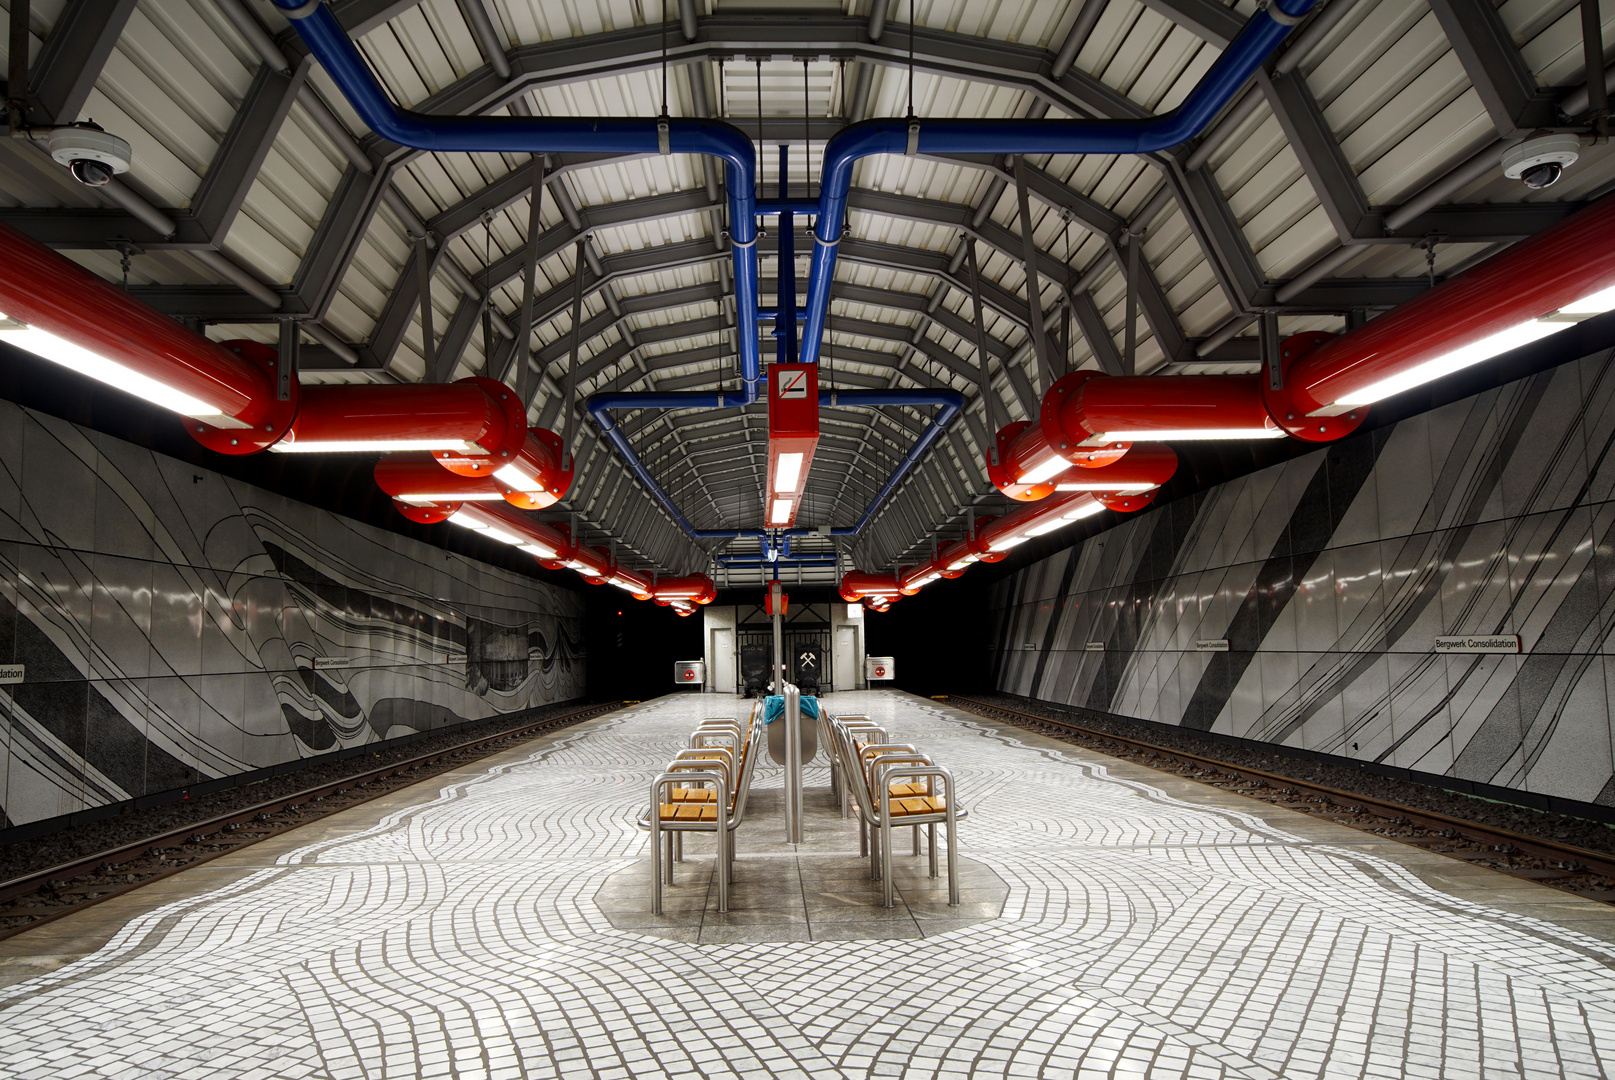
{"x":1331,"y":575}
{"x":170,"y":621}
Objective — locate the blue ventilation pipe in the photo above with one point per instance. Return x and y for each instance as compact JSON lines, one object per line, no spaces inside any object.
{"x":335,"y":51}
{"x":1224,"y":79}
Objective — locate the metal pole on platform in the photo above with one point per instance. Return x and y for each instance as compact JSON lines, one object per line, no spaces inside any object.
{"x":793,"y":764}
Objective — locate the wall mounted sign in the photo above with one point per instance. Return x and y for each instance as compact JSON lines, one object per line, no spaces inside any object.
{"x":1093,"y":646}
{"x":11,"y":674}
{"x":325,"y":663}
{"x":1211,"y":645}
{"x":1479,"y":643}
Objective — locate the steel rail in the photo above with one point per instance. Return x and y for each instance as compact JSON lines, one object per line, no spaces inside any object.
{"x":35,"y":880}
{"x":1595,"y":862}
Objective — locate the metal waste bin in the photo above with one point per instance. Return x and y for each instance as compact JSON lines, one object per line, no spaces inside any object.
{"x":878,"y":668}
{"x":690,"y":673}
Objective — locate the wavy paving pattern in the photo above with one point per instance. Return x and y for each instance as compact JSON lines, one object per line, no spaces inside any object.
{"x":177,"y":626}
{"x":1331,"y":576}
{"x":1142,"y":937}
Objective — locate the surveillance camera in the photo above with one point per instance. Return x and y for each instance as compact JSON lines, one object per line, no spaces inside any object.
{"x":90,"y":154}
{"x":1540,"y":160}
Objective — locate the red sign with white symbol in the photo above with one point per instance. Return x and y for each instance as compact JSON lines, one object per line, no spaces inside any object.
{"x":880,"y":672}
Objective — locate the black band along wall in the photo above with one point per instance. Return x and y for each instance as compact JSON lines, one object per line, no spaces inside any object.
{"x":1302,"y":604}
{"x":162,"y":625}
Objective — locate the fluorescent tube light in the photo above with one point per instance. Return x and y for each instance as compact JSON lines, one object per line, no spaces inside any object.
{"x":367,"y":446}
{"x":1085,"y":510}
{"x":787,"y":472}
{"x":1596,"y":304}
{"x":781,"y":512}
{"x":465,"y":520}
{"x":1190,"y":435}
{"x":518,"y":478}
{"x":625,"y":585}
{"x":960,"y":564}
{"x":1007,"y":543}
{"x":77,"y":358}
{"x":502,"y":536}
{"x":427,"y":497}
{"x":1090,"y":485}
{"x":1049,"y":467}
{"x":1457,"y":360}
{"x":533,"y":547}
{"x":1048,"y":526}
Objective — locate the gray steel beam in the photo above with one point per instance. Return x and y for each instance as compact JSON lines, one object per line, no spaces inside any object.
{"x":1096,"y":333}
{"x":1493,"y":63}
{"x":240,"y":157}
{"x":1206,"y":19}
{"x":455,"y":338}
{"x":1308,"y":133}
{"x":71,"y":59}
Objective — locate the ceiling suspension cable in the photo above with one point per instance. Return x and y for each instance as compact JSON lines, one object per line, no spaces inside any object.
{"x":758,"y":60}
{"x":664,"y":59}
{"x":807,"y":136}
{"x":487,"y":298}
{"x":911,"y":59}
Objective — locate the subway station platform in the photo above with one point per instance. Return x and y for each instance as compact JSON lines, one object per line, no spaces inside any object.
{"x":1116,"y":922}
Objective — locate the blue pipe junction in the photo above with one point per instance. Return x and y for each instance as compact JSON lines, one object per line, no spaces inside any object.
{"x":331,"y":45}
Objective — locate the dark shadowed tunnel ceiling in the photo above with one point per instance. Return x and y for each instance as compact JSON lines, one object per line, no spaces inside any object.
{"x":285,"y":206}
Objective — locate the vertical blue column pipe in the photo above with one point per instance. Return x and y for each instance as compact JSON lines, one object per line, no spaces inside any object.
{"x":335,"y":51}
{"x":785,"y":321}
{"x":897,"y":136}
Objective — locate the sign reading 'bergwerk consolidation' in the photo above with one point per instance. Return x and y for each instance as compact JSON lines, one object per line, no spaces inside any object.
{"x":10,"y":674}
{"x":1479,"y":643}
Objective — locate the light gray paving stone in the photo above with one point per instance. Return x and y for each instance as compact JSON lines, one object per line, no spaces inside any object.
{"x":1120,"y":923}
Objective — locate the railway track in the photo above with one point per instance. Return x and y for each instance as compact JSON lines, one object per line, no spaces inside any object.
{"x":43,"y":896}
{"x":1562,"y":866}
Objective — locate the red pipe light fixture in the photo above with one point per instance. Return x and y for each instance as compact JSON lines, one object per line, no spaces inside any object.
{"x":793,"y":435}
{"x":536,"y":478}
{"x":476,"y":417}
{"x":1561,"y":276}
{"x":61,"y":312}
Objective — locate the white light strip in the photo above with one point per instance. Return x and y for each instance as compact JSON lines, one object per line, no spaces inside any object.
{"x":1088,"y":485}
{"x":82,"y":360}
{"x":533,"y":547}
{"x":962,"y":563}
{"x":780,"y":513}
{"x":1085,"y":510}
{"x":1192,"y":435}
{"x":1457,"y":360}
{"x":1007,"y":543}
{"x":1046,"y":469}
{"x":1588,"y":306}
{"x":367,"y":446}
{"x":502,"y":536}
{"x":425,"y":497}
{"x":518,"y":478}
{"x":626,"y":586}
{"x":787,"y":473}
{"x":465,"y":521}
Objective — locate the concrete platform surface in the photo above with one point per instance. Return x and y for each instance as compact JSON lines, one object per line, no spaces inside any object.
{"x":1117,"y":922}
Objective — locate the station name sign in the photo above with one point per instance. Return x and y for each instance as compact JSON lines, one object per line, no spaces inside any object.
{"x":1093,"y":646}
{"x":1211,"y":645}
{"x":11,"y":674}
{"x":1481,"y":643}
{"x":326,"y":663}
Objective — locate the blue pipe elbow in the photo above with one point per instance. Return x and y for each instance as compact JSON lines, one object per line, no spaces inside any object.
{"x":1216,"y":88}
{"x":330,"y":44}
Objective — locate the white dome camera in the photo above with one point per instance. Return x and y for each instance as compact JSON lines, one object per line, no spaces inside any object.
{"x":93,"y":156}
{"x":1540,"y":160}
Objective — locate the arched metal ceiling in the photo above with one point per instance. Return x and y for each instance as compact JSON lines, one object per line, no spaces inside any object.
{"x":1358,"y":167}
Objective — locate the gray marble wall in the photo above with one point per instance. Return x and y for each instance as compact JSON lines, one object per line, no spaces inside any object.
{"x":175,"y":626}
{"x":1331,"y":576}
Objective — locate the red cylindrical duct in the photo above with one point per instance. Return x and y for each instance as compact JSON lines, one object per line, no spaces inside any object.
{"x":1147,"y":465}
{"x":477,"y":417}
{"x":1021,"y":525}
{"x":695,"y":588}
{"x":1536,"y":277}
{"x":55,"y":296}
{"x":856,"y":586}
{"x":416,"y":477}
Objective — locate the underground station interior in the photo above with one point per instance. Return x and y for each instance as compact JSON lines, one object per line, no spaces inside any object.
{"x":691,"y":539}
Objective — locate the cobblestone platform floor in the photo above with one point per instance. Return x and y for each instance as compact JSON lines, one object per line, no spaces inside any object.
{"x":1150,"y":927}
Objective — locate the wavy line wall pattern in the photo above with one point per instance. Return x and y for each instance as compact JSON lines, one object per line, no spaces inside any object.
{"x":177,"y":626}
{"x":1332,"y":574}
